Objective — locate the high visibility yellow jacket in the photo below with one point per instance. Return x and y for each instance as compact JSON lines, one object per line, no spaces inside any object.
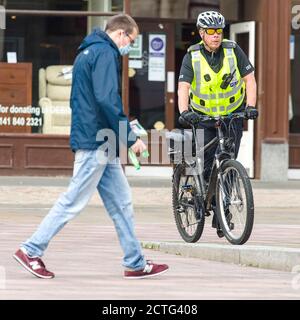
{"x":206,"y":93}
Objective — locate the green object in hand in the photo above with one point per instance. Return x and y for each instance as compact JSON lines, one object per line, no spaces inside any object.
{"x":134,"y":160}
{"x":145,"y":154}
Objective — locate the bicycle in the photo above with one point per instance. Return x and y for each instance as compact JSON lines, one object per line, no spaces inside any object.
{"x":229,"y":184}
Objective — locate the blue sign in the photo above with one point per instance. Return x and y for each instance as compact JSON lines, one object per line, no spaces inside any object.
{"x":157,"y":44}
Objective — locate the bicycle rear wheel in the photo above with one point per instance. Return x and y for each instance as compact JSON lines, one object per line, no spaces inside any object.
{"x":234,"y":200}
{"x":188,"y":213}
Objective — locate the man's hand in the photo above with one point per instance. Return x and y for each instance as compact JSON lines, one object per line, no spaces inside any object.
{"x":251,"y":113}
{"x":190,"y":117}
{"x":139,"y":146}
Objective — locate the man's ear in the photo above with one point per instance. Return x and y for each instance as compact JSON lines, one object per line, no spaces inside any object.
{"x":201,"y":34}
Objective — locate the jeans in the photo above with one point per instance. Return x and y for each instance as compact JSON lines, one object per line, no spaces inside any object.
{"x":93,"y":170}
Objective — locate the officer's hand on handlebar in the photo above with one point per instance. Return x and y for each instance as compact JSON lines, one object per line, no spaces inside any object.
{"x":251,"y":113}
{"x":190,"y":117}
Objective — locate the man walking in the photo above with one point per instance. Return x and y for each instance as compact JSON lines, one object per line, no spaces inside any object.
{"x":96,"y":104}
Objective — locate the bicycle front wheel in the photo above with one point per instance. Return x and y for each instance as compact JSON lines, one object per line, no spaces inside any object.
{"x":234,"y":200}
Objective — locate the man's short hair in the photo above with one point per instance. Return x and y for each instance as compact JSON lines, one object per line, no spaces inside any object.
{"x":121,"y":21}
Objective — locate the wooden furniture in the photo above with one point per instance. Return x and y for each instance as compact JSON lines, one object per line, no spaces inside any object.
{"x":15,"y":90}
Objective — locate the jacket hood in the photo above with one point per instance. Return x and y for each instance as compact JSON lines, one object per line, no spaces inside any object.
{"x":96,"y":36}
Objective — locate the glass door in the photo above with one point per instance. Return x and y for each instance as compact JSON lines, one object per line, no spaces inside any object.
{"x":294,"y":107}
{"x":244,"y":34}
{"x":151,"y":76}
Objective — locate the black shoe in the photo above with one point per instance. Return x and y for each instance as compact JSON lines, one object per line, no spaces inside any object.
{"x":220,"y":233}
{"x":215,"y":224}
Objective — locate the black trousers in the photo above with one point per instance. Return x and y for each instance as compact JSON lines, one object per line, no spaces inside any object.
{"x":234,"y":131}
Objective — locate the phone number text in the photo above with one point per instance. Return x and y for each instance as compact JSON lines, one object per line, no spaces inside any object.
{"x":20,"y":121}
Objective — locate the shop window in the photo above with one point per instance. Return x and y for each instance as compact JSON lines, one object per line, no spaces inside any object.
{"x":35,"y":91}
{"x":36,"y":56}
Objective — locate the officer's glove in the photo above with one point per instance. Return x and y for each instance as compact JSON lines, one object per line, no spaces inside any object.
{"x":190,"y":117}
{"x":251,"y":113}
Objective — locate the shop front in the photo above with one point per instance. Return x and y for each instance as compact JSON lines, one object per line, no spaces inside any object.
{"x":39,"y":45}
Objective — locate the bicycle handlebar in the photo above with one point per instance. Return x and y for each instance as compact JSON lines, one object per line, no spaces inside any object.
{"x":216,"y":118}
{"x":229,"y":116}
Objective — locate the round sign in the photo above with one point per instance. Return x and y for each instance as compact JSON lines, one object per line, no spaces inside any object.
{"x":157,"y":44}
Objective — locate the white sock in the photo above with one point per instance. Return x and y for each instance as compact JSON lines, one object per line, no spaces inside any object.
{"x":25,"y":252}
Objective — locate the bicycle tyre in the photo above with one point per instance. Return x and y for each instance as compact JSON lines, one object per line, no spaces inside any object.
{"x":249,"y":219}
{"x":196,"y":235}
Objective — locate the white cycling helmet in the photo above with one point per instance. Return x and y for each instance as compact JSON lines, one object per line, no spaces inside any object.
{"x":210,"y":19}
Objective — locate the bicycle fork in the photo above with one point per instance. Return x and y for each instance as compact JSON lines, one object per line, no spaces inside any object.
{"x":220,"y":161}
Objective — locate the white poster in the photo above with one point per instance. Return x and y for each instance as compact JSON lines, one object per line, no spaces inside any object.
{"x":171,"y":82}
{"x":157,"y":57}
{"x":11,"y":57}
{"x":135,"y":64}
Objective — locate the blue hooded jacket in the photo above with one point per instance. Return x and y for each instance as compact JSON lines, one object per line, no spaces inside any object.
{"x":95,"y":96}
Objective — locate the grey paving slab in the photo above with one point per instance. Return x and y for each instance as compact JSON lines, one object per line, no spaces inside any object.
{"x":87,"y":261}
{"x":86,"y":255}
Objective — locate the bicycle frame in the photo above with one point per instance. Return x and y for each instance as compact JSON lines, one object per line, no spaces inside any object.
{"x":221,"y":155}
{"x":227,"y":194}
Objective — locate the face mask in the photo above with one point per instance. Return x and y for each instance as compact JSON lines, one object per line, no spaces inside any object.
{"x":124,"y":50}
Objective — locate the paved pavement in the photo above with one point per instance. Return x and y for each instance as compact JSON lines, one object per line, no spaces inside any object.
{"x":86,"y":256}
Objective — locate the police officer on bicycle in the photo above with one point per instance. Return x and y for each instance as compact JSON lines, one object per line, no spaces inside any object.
{"x":216,"y":78}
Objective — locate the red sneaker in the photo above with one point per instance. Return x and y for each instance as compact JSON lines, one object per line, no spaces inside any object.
{"x":151,"y":270}
{"x":33,"y":264}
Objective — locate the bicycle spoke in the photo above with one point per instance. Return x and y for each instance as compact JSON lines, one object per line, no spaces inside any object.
{"x":188,"y":216}
{"x":232,"y":199}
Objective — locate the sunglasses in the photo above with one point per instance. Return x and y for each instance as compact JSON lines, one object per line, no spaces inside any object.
{"x":211,"y":31}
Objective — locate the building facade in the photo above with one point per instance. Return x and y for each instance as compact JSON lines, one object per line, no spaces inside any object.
{"x":38,"y":47}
